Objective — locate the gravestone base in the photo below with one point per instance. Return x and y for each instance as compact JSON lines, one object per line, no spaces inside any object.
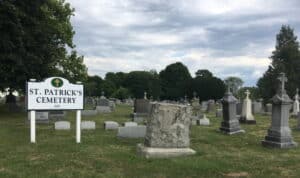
{"x":244,"y":121}
{"x":103,"y":109}
{"x":139,"y":117}
{"x":150,"y":152}
{"x":232,"y":129}
{"x":278,"y":142}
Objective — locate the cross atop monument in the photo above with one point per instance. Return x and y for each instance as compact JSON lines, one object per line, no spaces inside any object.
{"x":282,"y":78}
{"x":102,"y":93}
{"x":145,"y":95}
{"x":247,"y":94}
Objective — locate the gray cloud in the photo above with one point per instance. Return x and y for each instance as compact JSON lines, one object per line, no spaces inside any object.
{"x":226,"y":37}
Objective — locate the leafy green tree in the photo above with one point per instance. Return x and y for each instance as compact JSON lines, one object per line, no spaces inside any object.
{"x":35,"y":37}
{"x":175,"y":79}
{"x":93,"y":86}
{"x":207,"y":86}
{"x":234,"y":83}
{"x":121,"y":93}
{"x":285,"y":58}
{"x":117,"y":78}
{"x":139,"y":82}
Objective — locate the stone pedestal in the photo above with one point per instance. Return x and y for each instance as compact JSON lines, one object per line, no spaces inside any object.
{"x":247,"y":116}
{"x":167,"y":133}
{"x":279,"y":133}
{"x":230,"y":124}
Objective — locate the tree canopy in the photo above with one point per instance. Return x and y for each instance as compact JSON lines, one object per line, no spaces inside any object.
{"x":175,"y":79}
{"x":36,"y":41}
{"x":285,"y":58}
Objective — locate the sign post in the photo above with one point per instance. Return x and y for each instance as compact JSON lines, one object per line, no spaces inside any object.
{"x":55,"y":93}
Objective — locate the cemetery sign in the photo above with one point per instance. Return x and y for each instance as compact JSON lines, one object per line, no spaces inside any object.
{"x":55,"y":93}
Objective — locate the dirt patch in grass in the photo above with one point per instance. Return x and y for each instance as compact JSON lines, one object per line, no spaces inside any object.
{"x":237,"y":174}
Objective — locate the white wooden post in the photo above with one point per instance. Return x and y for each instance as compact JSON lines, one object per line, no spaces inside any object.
{"x":78,"y":123}
{"x":32,"y":126}
{"x":32,"y":122}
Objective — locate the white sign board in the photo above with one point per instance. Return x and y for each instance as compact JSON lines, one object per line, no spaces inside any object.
{"x":54,"y":93}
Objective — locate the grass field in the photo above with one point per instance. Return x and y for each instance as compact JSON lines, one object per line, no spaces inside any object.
{"x":102,"y":154}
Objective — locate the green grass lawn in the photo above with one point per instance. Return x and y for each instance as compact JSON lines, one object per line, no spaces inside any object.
{"x":102,"y":154}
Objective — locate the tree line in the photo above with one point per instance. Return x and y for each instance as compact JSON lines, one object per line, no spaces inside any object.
{"x":173,"y":83}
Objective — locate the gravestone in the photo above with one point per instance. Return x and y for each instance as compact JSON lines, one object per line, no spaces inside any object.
{"x":203,"y":121}
{"x":57,"y":115}
{"x":268,"y":108}
{"x":103,"y":105}
{"x":230,"y":124}
{"x":138,"y":131}
{"x":62,"y":125}
{"x":41,"y":117}
{"x":167,"y":132}
{"x":296,"y":104}
{"x":219,"y":113}
{"x":88,"y":125}
{"x":89,"y":102}
{"x":247,"y":116}
{"x":89,"y":112}
{"x":111,"y":125}
{"x":141,"y":109}
{"x":239,"y":107}
{"x":195,"y":104}
{"x":279,"y":133}
{"x":210,"y":106}
{"x":257,"y":107}
{"x":128,"y":124}
{"x":204,"y":105}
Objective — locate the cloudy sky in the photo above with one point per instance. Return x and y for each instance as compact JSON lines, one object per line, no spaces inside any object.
{"x":227,"y":37}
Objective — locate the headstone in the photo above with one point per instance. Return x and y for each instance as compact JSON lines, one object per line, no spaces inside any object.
{"x":62,"y":125}
{"x":279,"y":133}
{"x":247,"y":116}
{"x":219,"y":113}
{"x":112,"y":105}
{"x":210,"y":106}
{"x":239,"y":107}
{"x":129,"y":124}
{"x":257,"y":107}
{"x":89,"y":112}
{"x":269,"y":108}
{"x":111,"y":125}
{"x":167,"y":132}
{"x":11,"y":102}
{"x":204,"y":105}
{"x":88,"y":125}
{"x":89,"y":102}
{"x":41,"y":117}
{"x":57,"y":114}
{"x":103,"y":105}
{"x":230,"y":124}
{"x":132,"y":131}
{"x":141,"y":109}
{"x":203,"y":121}
{"x":296,"y":104}
{"x":195,"y":104}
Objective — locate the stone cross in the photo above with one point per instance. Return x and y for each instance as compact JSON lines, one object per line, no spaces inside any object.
{"x":145,"y":95}
{"x":102,"y":93}
{"x":185,"y":98}
{"x":282,"y":78}
{"x":247,"y":94}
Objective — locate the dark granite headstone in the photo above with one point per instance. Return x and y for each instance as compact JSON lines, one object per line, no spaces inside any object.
{"x":230,"y":124}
